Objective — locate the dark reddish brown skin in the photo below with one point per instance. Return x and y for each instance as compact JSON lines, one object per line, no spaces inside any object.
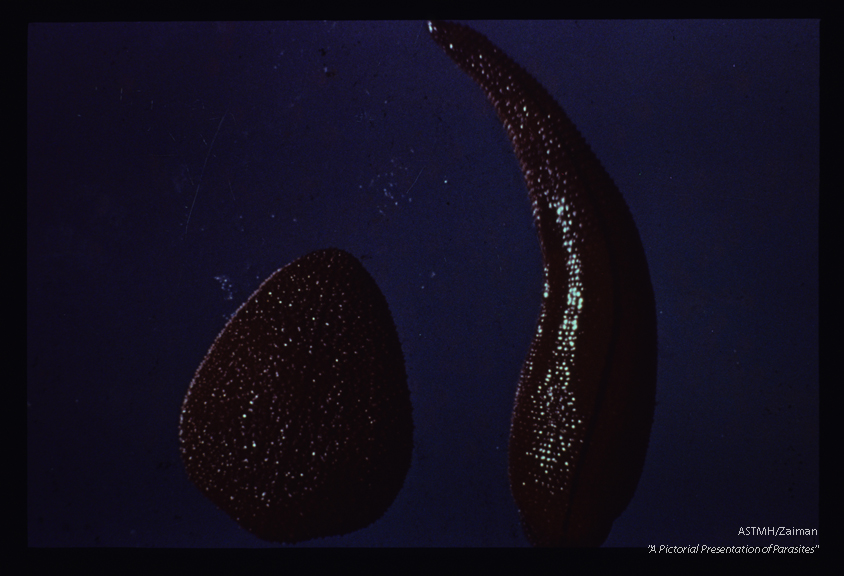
{"x":298,"y":422}
{"x":585,"y":400}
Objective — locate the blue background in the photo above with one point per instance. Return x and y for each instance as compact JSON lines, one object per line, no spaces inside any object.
{"x":285,"y":138}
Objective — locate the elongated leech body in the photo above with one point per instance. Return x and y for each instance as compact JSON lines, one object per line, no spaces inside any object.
{"x":585,"y":400}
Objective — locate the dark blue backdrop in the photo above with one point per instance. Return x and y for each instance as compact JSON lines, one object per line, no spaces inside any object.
{"x":285,"y":138}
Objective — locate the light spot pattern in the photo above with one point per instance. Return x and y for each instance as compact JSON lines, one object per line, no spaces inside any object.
{"x":585,"y":399}
{"x":298,"y":421}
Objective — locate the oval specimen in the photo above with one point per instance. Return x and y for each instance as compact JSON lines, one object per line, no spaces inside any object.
{"x":298,"y":421}
{"x":585,"y":400}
